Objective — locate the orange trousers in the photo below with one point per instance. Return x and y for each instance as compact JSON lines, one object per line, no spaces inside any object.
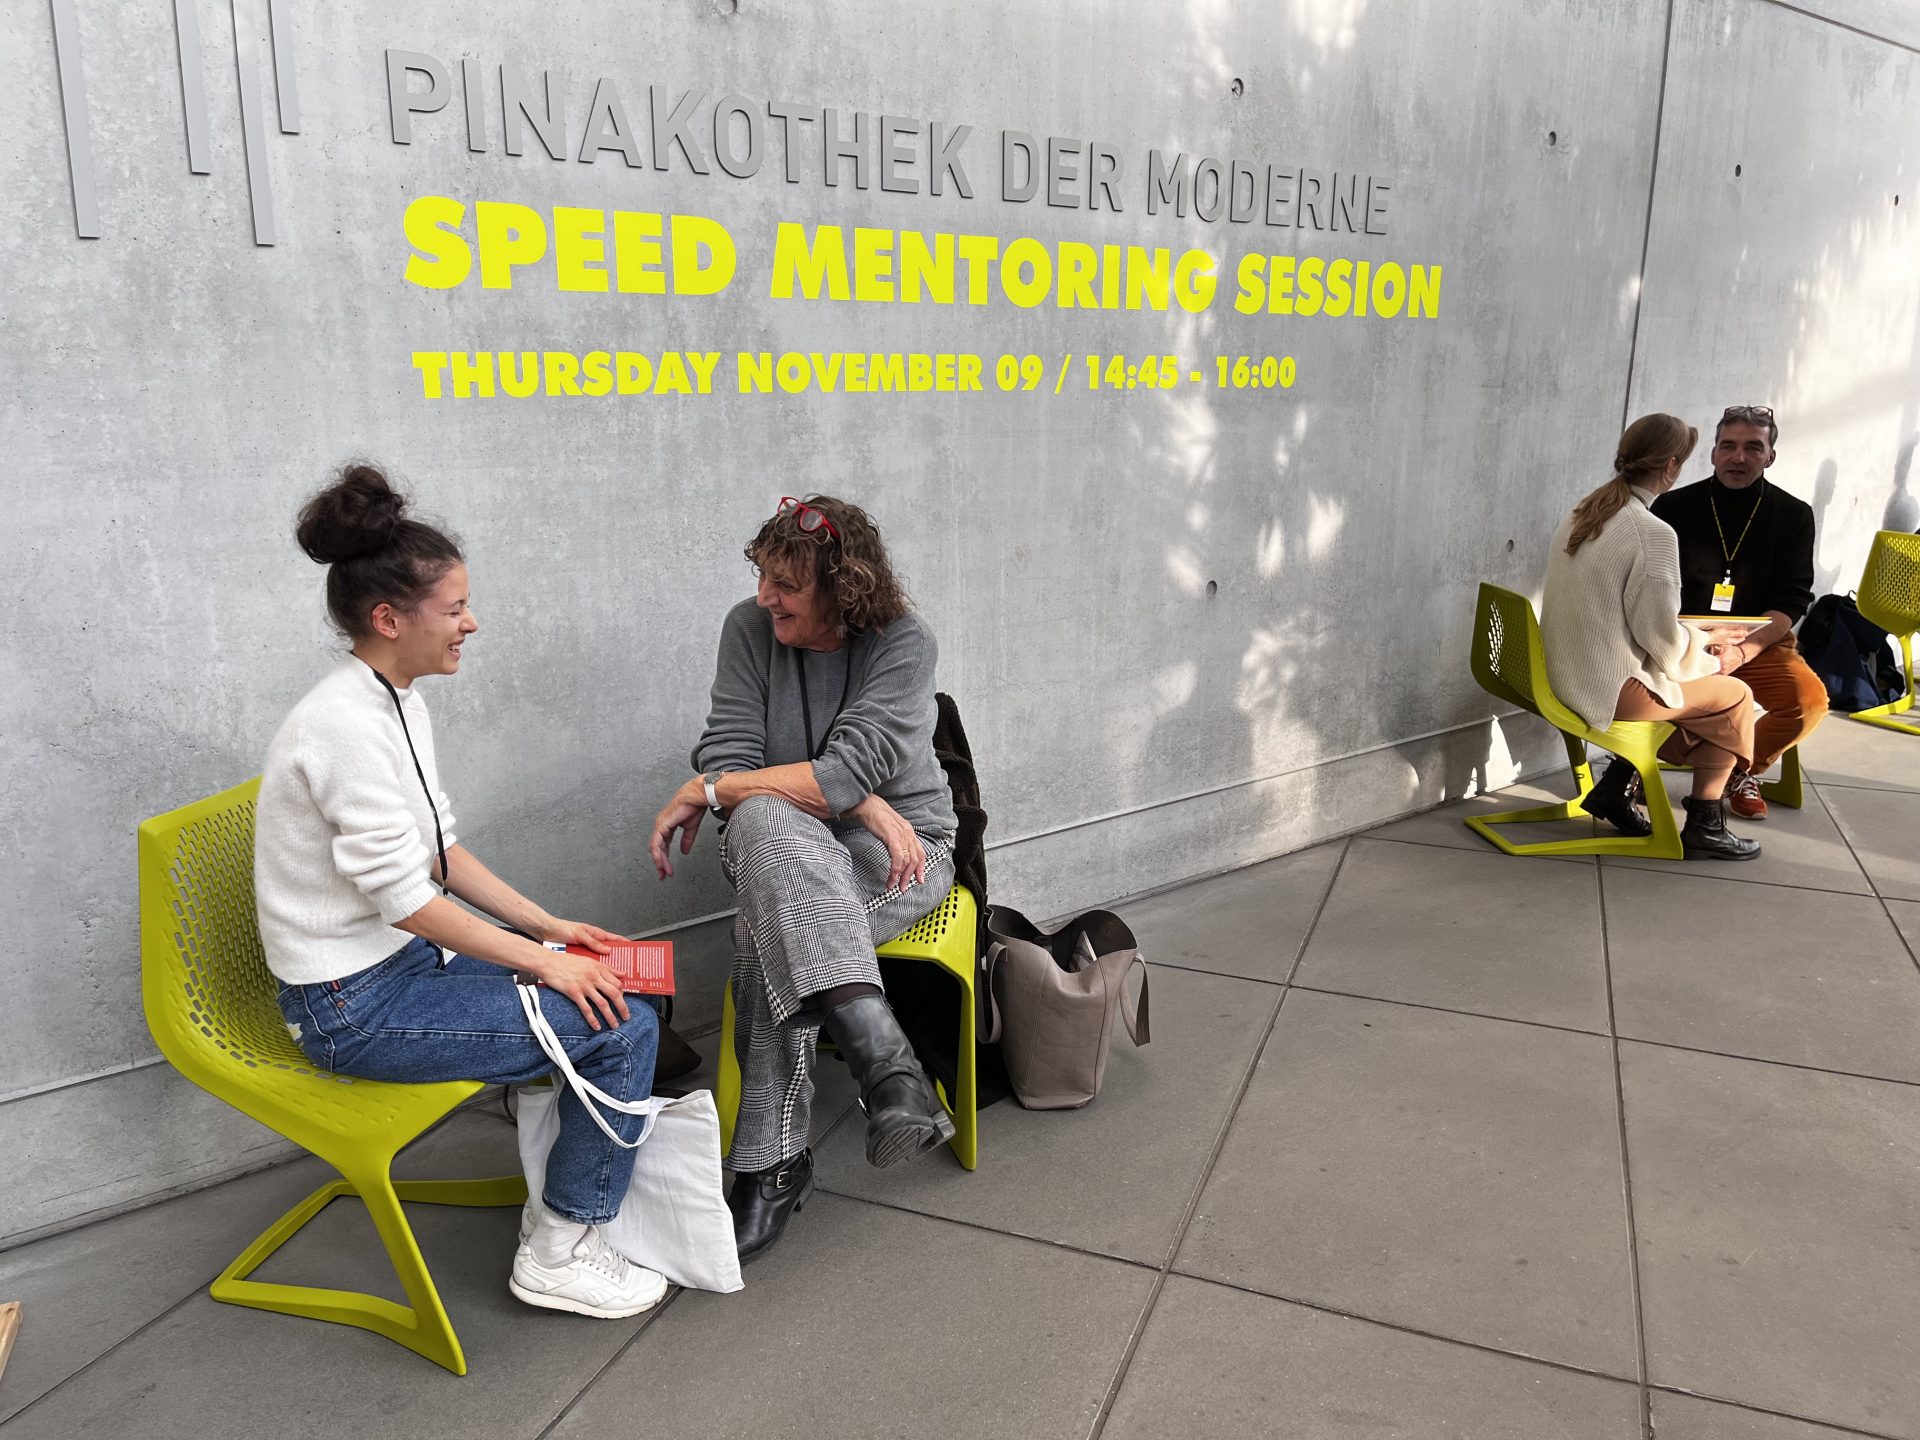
{"x":1791,"y":694}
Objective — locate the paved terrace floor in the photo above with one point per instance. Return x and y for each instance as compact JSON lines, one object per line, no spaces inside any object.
{"x":1429,"y":1142}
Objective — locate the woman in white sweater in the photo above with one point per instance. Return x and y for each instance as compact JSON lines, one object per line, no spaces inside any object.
{"x":1616,"y":649}
{"x":353,"y":830}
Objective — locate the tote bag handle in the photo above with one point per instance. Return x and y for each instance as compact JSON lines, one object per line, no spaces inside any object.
{"x":585,"y":1090}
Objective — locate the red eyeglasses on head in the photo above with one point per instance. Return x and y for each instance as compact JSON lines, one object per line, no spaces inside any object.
{"x":807,"y":517}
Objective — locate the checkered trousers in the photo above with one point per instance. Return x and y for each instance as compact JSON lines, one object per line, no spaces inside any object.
{"x":813,"y":905}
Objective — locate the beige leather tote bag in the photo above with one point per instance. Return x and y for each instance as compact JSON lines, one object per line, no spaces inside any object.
{"x":1050,"y":999}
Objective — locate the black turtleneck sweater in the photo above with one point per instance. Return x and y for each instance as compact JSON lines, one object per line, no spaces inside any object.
{"x":1772,"y":567}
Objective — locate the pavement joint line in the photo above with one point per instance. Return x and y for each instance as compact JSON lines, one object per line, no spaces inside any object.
{"x":1401,"y":1328}
{"x":1602,"y":1035}
{"x":1887,"y":909}
{"x":1753,"y":1409}
{"x":1626,"y":1159}
{"x":982,"y":1227}
{"x":674,"y":1292}
{"x":1185,"y":1222}
{"x":1885,"y":788}
{"x":115,"y":1347}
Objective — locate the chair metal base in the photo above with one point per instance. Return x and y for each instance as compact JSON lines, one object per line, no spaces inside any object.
{"x":1638,"y":746}
{"x":423,"y":1326}
{"x":1882,"y":715}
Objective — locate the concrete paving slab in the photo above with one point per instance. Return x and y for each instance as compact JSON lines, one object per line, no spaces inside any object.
{"x":1248,"y":922}
{"x":873,"y":1323}
{"x":1775,"y":1210}
{"x":1801,"y":848}
{"x":1845,"y":752}
{"x":209,"y":1371}
{"x":1485,"y":933}
{"x":1223,"y":1363}
{"x":1758,"y":971}
{"x":87,"y":1290}
{"x":1450,"y":1173}
{"x":1884,"y":828}
{"x":1686,"y":1417}
{"x":1115,"y":1176}
{"x":1446,"y":825}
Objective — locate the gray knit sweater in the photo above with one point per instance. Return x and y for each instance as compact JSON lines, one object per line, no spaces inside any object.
{"x":880,"y":741}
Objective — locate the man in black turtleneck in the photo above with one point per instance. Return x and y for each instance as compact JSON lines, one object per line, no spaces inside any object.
{"x":1746,"y":548}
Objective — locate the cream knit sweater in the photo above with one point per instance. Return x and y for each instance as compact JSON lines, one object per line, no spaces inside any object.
{"x":1609,"y":615}
{"x":343,"y":836}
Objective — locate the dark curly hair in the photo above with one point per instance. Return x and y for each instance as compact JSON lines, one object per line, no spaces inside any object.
{"x":853,"y":570}
{"x":375,"y":553}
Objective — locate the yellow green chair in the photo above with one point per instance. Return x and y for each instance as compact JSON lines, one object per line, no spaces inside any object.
{"x":1889,"y":596}
{"x":946,"y":937}
{"x":1510,"y":664}
{"x":210,"y":1004}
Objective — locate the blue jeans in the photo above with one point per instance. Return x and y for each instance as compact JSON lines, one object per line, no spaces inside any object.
{"x":413,"y":1020}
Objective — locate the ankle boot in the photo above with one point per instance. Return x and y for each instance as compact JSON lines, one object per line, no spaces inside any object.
{"x":1612,"y":800}
{"x":1706,"y":836}
{"x":904,"y":1116}
{"x":761,"y":1201}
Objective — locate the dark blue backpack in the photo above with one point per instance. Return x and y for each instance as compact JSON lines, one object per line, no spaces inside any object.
{"x":1850,"y":654}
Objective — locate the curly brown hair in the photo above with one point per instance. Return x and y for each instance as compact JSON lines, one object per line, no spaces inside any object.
{"x":853,"y":569}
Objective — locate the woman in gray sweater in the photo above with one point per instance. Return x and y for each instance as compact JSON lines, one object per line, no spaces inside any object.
{"x":837,"y":835}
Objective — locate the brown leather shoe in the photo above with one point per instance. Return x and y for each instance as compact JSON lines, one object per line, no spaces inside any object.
{"x":1744,"y":798}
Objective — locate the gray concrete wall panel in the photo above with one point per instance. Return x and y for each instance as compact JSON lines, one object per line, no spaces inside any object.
{"x":1784,"y":264}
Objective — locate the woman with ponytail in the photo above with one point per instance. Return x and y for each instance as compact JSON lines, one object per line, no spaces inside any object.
{"x":1616,"y":649}
{"x":353,"y":832}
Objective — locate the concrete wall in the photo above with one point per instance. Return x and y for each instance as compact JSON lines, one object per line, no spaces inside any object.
{"x":1188,"y":629}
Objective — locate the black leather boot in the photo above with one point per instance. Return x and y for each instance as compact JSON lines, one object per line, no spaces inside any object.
{"x":761,"y":1201}
{"x":904,"y":1117}
{"x":1612,"y":800}
{"x":1706,"y":836}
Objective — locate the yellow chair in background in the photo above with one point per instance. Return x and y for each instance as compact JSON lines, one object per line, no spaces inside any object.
{"x":945,"y":936}
{"x":1889,"y":596}
{"x":1510,"y":663}
{"x":210,"y":1002}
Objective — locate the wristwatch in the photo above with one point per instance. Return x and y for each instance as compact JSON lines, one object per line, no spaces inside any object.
{"x":713,"y":796}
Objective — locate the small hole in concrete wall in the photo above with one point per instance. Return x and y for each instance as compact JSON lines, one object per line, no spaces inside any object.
{"x":1736,"y":172}
{"x":1213,"y":588}
{"x":1509,"y":547}
{"x":1239,"y":86}
{"x":726,"y":7}
{"x":1553,"y":138}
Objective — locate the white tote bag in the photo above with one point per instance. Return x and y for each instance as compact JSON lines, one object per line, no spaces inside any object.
{"x":674,"y":1217}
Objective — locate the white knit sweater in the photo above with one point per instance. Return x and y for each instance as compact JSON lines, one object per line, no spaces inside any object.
{"x":343,"y":836}
{"x":1609,"y":615}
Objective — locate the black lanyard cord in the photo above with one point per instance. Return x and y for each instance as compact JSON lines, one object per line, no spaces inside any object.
{"x":806,"y":706}
{"x":439,"y":836}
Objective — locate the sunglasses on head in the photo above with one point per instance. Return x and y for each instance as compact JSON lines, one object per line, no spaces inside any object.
{"x":805,"y":516}
{"x":1747,"y":415}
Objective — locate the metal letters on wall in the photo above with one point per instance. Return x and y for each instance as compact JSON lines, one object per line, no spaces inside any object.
{"x":193,"y":100}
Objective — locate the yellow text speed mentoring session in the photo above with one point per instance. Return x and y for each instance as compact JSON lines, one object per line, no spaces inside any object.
{"x":500,"y":244}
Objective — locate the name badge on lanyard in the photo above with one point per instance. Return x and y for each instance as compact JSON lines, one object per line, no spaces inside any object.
{"x":1723,"y":597}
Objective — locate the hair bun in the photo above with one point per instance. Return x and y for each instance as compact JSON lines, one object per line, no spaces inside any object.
{"x":356,"y":515}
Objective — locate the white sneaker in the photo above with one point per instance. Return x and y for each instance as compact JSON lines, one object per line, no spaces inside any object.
{"x":595,"y":1280}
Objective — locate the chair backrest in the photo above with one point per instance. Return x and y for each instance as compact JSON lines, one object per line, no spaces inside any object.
{"x":1509,"y":660}
{"x":209,"y":995}
{"x":1889,"y":592}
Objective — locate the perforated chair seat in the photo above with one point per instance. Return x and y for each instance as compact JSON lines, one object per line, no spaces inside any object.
{"x":210,"y":1003}
{"x":1510,"y":663}
{"x":944,"y":936}
{"x":1889,"y":596}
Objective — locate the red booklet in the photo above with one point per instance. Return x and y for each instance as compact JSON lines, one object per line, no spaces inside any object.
{"x":645,"y":967}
